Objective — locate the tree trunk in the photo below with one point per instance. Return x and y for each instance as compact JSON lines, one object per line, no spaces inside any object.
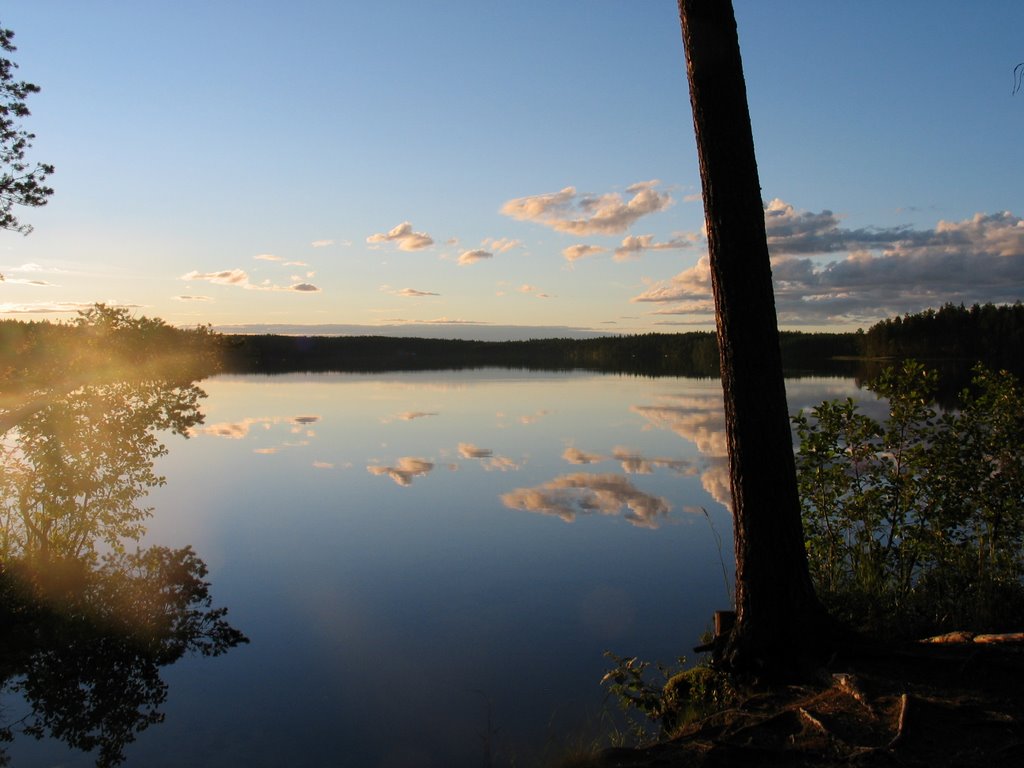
{"x":779,"y":621}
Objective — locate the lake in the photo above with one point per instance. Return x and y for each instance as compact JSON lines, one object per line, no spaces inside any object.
{"x":430,"y":566}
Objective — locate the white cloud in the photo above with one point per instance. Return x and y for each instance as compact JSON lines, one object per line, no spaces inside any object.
{"x":501,"y":245}
{"x":606,"y":214}
{"x":23,"y":281}
{"x":239,"y":278}
{"x":413,"y":293}
{"x":321,"y":243}
{"x":633,"y":246}
{"x":534,"y":291}
{"x":51,"y":307}
{"x":545,"y":208}
{"x":403,"y":234}
{"x":884,"y":272}
{"x":581,"y":251}
{"x":470,"y":451}
{"x":224,"y":277}
{"x":31,"y":268}
{"x":280,"y":260}
{"x":472,"y":257}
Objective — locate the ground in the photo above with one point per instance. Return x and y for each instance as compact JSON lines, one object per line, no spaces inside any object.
{"x":923,"y":704}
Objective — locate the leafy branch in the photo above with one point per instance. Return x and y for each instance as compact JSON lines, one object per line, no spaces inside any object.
{"x":21,"y":182}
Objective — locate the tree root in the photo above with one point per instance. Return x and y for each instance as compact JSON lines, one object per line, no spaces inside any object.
{"x":911,"y":706}
{"x":901,"y":722}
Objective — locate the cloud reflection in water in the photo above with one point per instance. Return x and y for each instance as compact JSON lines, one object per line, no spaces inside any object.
{"x":701,"y":421}
{"x":405,"y":469}
{"x":587,"y":494}
{"x":633,"y":462}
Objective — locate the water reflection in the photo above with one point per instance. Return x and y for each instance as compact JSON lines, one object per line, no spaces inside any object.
{"x":591,"y":494}
{"x":405,"y":469}
{"x":487,"y":458}
{"x":410,"y":416}
{"x":698,"y":419}
{"x":241,"y":429}
{"x":88,"y":623}
{"x":632,"y":462}
{"x":470,"y":451}
{"x":388,"y":590}
{"x":701,"y":421}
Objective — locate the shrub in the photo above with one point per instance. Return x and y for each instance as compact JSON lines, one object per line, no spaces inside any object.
{"x":671,"y":700}
{"x":916,"y":523}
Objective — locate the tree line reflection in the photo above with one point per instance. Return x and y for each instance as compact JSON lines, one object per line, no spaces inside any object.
{"x":88,"y":619}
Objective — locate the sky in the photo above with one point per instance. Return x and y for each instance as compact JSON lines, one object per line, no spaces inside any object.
{"x":468,"y":164}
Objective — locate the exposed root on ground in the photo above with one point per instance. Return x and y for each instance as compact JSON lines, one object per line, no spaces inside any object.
{"x":936,"y":704}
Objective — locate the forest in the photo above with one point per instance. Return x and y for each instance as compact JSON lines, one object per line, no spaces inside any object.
{"x":990,"y":333}
{"x":651,"y":354}
{"x":105,"y":340}
{"x":102,"y":343}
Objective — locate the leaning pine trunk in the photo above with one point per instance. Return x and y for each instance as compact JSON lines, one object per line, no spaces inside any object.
{"x":779,"y":620}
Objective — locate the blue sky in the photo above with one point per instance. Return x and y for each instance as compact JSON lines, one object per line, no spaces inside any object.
{"x":527,"y":163}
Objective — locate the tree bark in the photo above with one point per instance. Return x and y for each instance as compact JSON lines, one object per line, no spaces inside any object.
{"x":779,"y":621}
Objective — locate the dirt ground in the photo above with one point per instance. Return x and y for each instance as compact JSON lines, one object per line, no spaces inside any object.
{"x":923,"y":704}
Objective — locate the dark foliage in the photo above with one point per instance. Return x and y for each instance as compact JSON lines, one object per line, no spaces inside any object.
{"x":33,"y":354}
{"x":85,"y":624}
{"x":21,"y":182}
{"x":915,"y":524}
{"x":652,"y":354}
{"x":989,"y":334}
{"x":84,"y":646}
{"x":103,"y":343}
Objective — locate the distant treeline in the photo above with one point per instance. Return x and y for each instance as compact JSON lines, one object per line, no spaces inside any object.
{"x":993,"y":335}
{"x":959,"y":336}
{"x":109,"y":339}
{"x":652,"y":354}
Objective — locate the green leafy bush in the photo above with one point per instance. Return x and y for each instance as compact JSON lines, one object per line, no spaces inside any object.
{"x":916,"y":523}
{"x":669,"y":701}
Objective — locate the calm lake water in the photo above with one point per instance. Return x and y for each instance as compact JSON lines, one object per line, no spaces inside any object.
{"x":429,"y":566}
